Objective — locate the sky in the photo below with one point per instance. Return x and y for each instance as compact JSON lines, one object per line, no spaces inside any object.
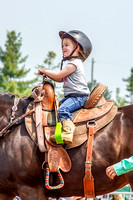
{"x":107,"y":23}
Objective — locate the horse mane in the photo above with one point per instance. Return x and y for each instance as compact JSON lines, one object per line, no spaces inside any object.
{"x":6,"y":97}
{"x":125,"y":107}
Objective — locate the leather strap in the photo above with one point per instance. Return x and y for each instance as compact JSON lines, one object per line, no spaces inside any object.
{"x":38,"y":117}
{"x":88,"y":178}
{"x":39,"y":127}
{"x":14,"y":122}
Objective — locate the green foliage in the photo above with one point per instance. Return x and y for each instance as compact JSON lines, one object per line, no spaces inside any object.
{"x":129,"y":87}
{"x":120,"y":101}
{"x":13,"y":67}
{"x":50,"y":59}
{"x":107,"y":94}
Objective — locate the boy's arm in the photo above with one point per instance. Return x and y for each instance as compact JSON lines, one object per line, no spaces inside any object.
{"x":57,"y":76}
{"x":122,"y":167}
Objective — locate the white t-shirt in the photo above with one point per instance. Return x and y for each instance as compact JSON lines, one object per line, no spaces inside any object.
{"x":75,"y":83}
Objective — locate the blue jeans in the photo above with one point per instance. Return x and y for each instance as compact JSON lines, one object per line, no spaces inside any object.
{"x":70,"y":104}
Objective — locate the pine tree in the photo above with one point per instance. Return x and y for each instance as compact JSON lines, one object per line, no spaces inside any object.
{"x":129,"y":87}
{"x":120,"y":101}
{"x":13,"y":66}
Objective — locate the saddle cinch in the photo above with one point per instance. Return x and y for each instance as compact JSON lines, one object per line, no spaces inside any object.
{"x":41,"y":124}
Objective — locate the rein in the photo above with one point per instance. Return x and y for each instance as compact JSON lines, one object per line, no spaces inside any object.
{"x":14,"y":108}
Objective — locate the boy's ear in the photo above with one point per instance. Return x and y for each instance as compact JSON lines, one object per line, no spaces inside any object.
{"x":78,"y":48}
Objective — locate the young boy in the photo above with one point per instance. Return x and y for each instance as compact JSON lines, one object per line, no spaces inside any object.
{"x":76,"y":47}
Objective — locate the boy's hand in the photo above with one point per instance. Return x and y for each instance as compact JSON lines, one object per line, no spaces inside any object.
{"x":41,"y":71}
{"x":110,"y":172}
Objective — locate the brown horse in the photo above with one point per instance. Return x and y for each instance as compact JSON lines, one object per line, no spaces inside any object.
{"x":21,"y":161}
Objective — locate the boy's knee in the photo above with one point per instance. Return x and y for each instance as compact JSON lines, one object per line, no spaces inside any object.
{"x":62,"y":109}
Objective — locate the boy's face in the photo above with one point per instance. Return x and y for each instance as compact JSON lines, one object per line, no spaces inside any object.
{"x":68,"y":46}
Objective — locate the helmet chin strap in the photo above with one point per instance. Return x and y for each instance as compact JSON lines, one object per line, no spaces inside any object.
{"x":69,"y":57}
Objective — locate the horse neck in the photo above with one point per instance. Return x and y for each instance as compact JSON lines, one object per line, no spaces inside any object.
{"x":48,"y":98}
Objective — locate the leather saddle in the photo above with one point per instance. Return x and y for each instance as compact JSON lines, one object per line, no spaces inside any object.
{"x":96,"y":109}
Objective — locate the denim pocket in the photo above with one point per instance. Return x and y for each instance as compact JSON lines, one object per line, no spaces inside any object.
{"x":85,"y":99}
{"x":82,"y":100}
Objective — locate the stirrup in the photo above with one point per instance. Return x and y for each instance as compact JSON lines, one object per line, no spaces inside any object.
{"x":47,"y":181}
